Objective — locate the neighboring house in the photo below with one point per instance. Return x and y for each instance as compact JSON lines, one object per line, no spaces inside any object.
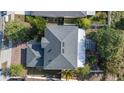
{"x":55,"y":13}
{"x":62,"y":47}
{"x":5,"y":54}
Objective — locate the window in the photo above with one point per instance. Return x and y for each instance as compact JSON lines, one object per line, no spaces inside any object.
{"x":62,"y":50}
{"x":49,"y":50}
{"x":49,"y":60}
{"x":63,"y":44}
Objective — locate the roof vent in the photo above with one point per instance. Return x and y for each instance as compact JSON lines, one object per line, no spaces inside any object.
{"x":44,"y":42}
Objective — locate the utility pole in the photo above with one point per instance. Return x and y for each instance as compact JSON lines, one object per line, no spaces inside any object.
{"x":109,"y":18}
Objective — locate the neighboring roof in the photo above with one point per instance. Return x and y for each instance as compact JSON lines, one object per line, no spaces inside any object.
{"x":61,"y":52}
{"x":34,"y":55}
{"x":59,"y":13}
{"x":1,"y":35}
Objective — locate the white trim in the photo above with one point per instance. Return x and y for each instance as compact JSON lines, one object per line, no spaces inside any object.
{"x":81,"y":48}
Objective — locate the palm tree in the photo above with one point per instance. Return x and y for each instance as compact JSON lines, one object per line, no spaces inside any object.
{"x":82,"y":72}
{"x":67,"y":74}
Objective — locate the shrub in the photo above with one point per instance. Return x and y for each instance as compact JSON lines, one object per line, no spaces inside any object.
{"x":85,"y":23}
{"x":68,"y":74}
{"x":82,"y":72}
{"x":17,"y":70}
{"x":92,"y":59}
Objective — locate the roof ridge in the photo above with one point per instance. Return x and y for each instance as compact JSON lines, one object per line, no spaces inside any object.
{"x":68,"y":35}
{"x":51,"y":61}
{"x":53,"y":34}
{"x":67,"y":60}
{"x":64,"y":58}
{"x":33,"y":54}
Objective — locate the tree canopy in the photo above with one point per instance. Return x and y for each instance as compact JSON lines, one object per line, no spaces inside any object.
{"x":17,"y":31}
{"x":38,"y":23}
{"x":17,"y":70}
{"x":110,"y":46}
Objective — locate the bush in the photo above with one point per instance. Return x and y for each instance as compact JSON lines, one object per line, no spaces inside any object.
{"x":17,"y":70}
{"x":85,"y":23}
{"x":82,"y":72}
{"x":38,"y":23}
{"x":68,"y":74}
{"x":92,"y":59}
{"x":100,"y":17}
{"x":17,"y":31}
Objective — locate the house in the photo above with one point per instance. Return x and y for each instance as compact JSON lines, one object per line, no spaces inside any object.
{"x":62,"y":47}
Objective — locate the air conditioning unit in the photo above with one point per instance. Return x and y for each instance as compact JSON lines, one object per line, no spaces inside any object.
{"x":91,"y":13}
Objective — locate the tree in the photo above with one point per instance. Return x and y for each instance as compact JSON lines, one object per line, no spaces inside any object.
{"x":67,"y":74}
{"x":92,"y":59}
{"x":85,"y":23}
{"x":116,"y":16}
{"x":38,"y":23}
{"x":100,"y":17}
{"x":120,"y":24}
{"x":17,"y":70}
{"x":110,"y":46}
{"x":17,"y":31}
{"x":82,"y":72}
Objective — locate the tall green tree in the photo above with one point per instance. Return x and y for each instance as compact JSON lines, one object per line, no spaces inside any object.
{"x":110,"y":46}
{"x":17,"y":31}
{"x":38,"y":23}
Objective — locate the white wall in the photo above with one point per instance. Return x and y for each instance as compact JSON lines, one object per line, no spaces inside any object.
{"x":6,"y":57}
{"x":81,"y":48}
{"x":91,"y":13}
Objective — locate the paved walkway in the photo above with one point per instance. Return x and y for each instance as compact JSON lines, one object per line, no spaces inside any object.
{"x":18,"y":54}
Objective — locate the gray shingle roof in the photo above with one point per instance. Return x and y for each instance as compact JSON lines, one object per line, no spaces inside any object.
{"x":61,"y":56}
{"x":60,"y":51}
{"x":34,"y":55}
{"x":59,"y":13}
